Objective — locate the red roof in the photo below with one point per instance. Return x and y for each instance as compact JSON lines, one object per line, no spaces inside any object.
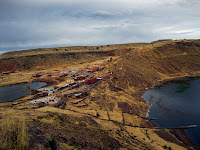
{"x":111,"y":54}
{"x":94,"y":67}
{"x":92,"y":81}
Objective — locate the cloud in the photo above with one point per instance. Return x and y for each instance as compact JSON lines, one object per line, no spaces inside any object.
{"x":47,"y":23}
{"x":102,"y":13}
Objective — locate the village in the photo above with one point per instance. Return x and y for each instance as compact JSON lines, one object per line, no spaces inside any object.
{"x":77,"y":85}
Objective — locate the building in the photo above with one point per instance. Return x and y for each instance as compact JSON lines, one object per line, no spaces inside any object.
{"x":37,"y":75}
{"x":92,"y":81}
{"x":45,"y":89}
{"x":94,"y":67}
{"x":70,"y":81}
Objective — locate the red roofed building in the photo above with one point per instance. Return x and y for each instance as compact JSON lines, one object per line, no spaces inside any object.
{"x":94,"y":67}
{"x":111,"y":54}
{"x":92,"y":81}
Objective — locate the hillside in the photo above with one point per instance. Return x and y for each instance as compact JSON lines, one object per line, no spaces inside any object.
{"x":71,"y":49}
{"x":113,"y":114}
{"x":48,"y":57}
{"x":147,"y":66}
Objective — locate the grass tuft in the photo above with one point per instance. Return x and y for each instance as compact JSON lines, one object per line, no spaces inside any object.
{"x":13,"y":134}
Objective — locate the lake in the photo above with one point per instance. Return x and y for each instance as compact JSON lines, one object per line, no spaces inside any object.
{"x":12,"y":92}
{"x":177,"y":104}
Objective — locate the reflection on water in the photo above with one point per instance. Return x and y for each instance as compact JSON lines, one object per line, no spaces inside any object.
{"x":177,"y":104}
{"x":8,"y":93}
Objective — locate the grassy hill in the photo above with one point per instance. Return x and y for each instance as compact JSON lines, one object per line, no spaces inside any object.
{"x":71,"y":49}
{"x":49,"y":57}
{"x":144,"y":67}
{"x":113,"y":115}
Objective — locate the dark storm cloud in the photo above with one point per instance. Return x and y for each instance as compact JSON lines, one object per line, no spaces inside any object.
{"x":47,"y":23}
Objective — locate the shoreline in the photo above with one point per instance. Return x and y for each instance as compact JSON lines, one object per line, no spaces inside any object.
{"x":34,"y":80}
{"x":178,"y":133}
{"x":165,"y":81}
{"x":14,"y":100}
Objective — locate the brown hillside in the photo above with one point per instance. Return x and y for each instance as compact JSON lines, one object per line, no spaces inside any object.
{"x":147,"y":66}
{"x":113,"y":115}
{"x":50,"y":57}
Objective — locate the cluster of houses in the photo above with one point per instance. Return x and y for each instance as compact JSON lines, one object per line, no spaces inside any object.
{"x":74,"y":79}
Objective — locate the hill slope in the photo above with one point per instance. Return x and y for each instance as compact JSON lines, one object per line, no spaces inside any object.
{"x":144,"y":67}
{"x":113,"y":115}
{"x":49,"y":57}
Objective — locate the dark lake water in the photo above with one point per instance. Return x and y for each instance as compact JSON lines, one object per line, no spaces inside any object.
{"x":176,"y":104}
{"x":8,"y":93}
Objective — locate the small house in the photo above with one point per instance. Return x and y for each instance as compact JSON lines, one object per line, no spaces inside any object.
{"x":37,"y":75}
{"x":68,"y":95}
{"x":42,"y":94}
{"x":64,"y":86}
{"x":64,"y":75}
{"x":45,"y":89}
{"x":92,"y":81}
{"x":75,"y":86}
{"x":94,"y":67}
{"x":70,"y":81}
{"x":89,"y":70}
{"x":100,"y":78}
{"x":78,"y":95}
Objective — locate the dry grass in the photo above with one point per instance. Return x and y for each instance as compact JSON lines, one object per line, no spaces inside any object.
{"x":150,"y":138}
{"x":80,"y":126}
{"x":149,"y":65}
{"x":69,"y":49}
{"x":14,"y":134}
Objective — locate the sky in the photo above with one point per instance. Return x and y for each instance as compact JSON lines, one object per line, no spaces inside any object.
{"x":27,"y":24}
